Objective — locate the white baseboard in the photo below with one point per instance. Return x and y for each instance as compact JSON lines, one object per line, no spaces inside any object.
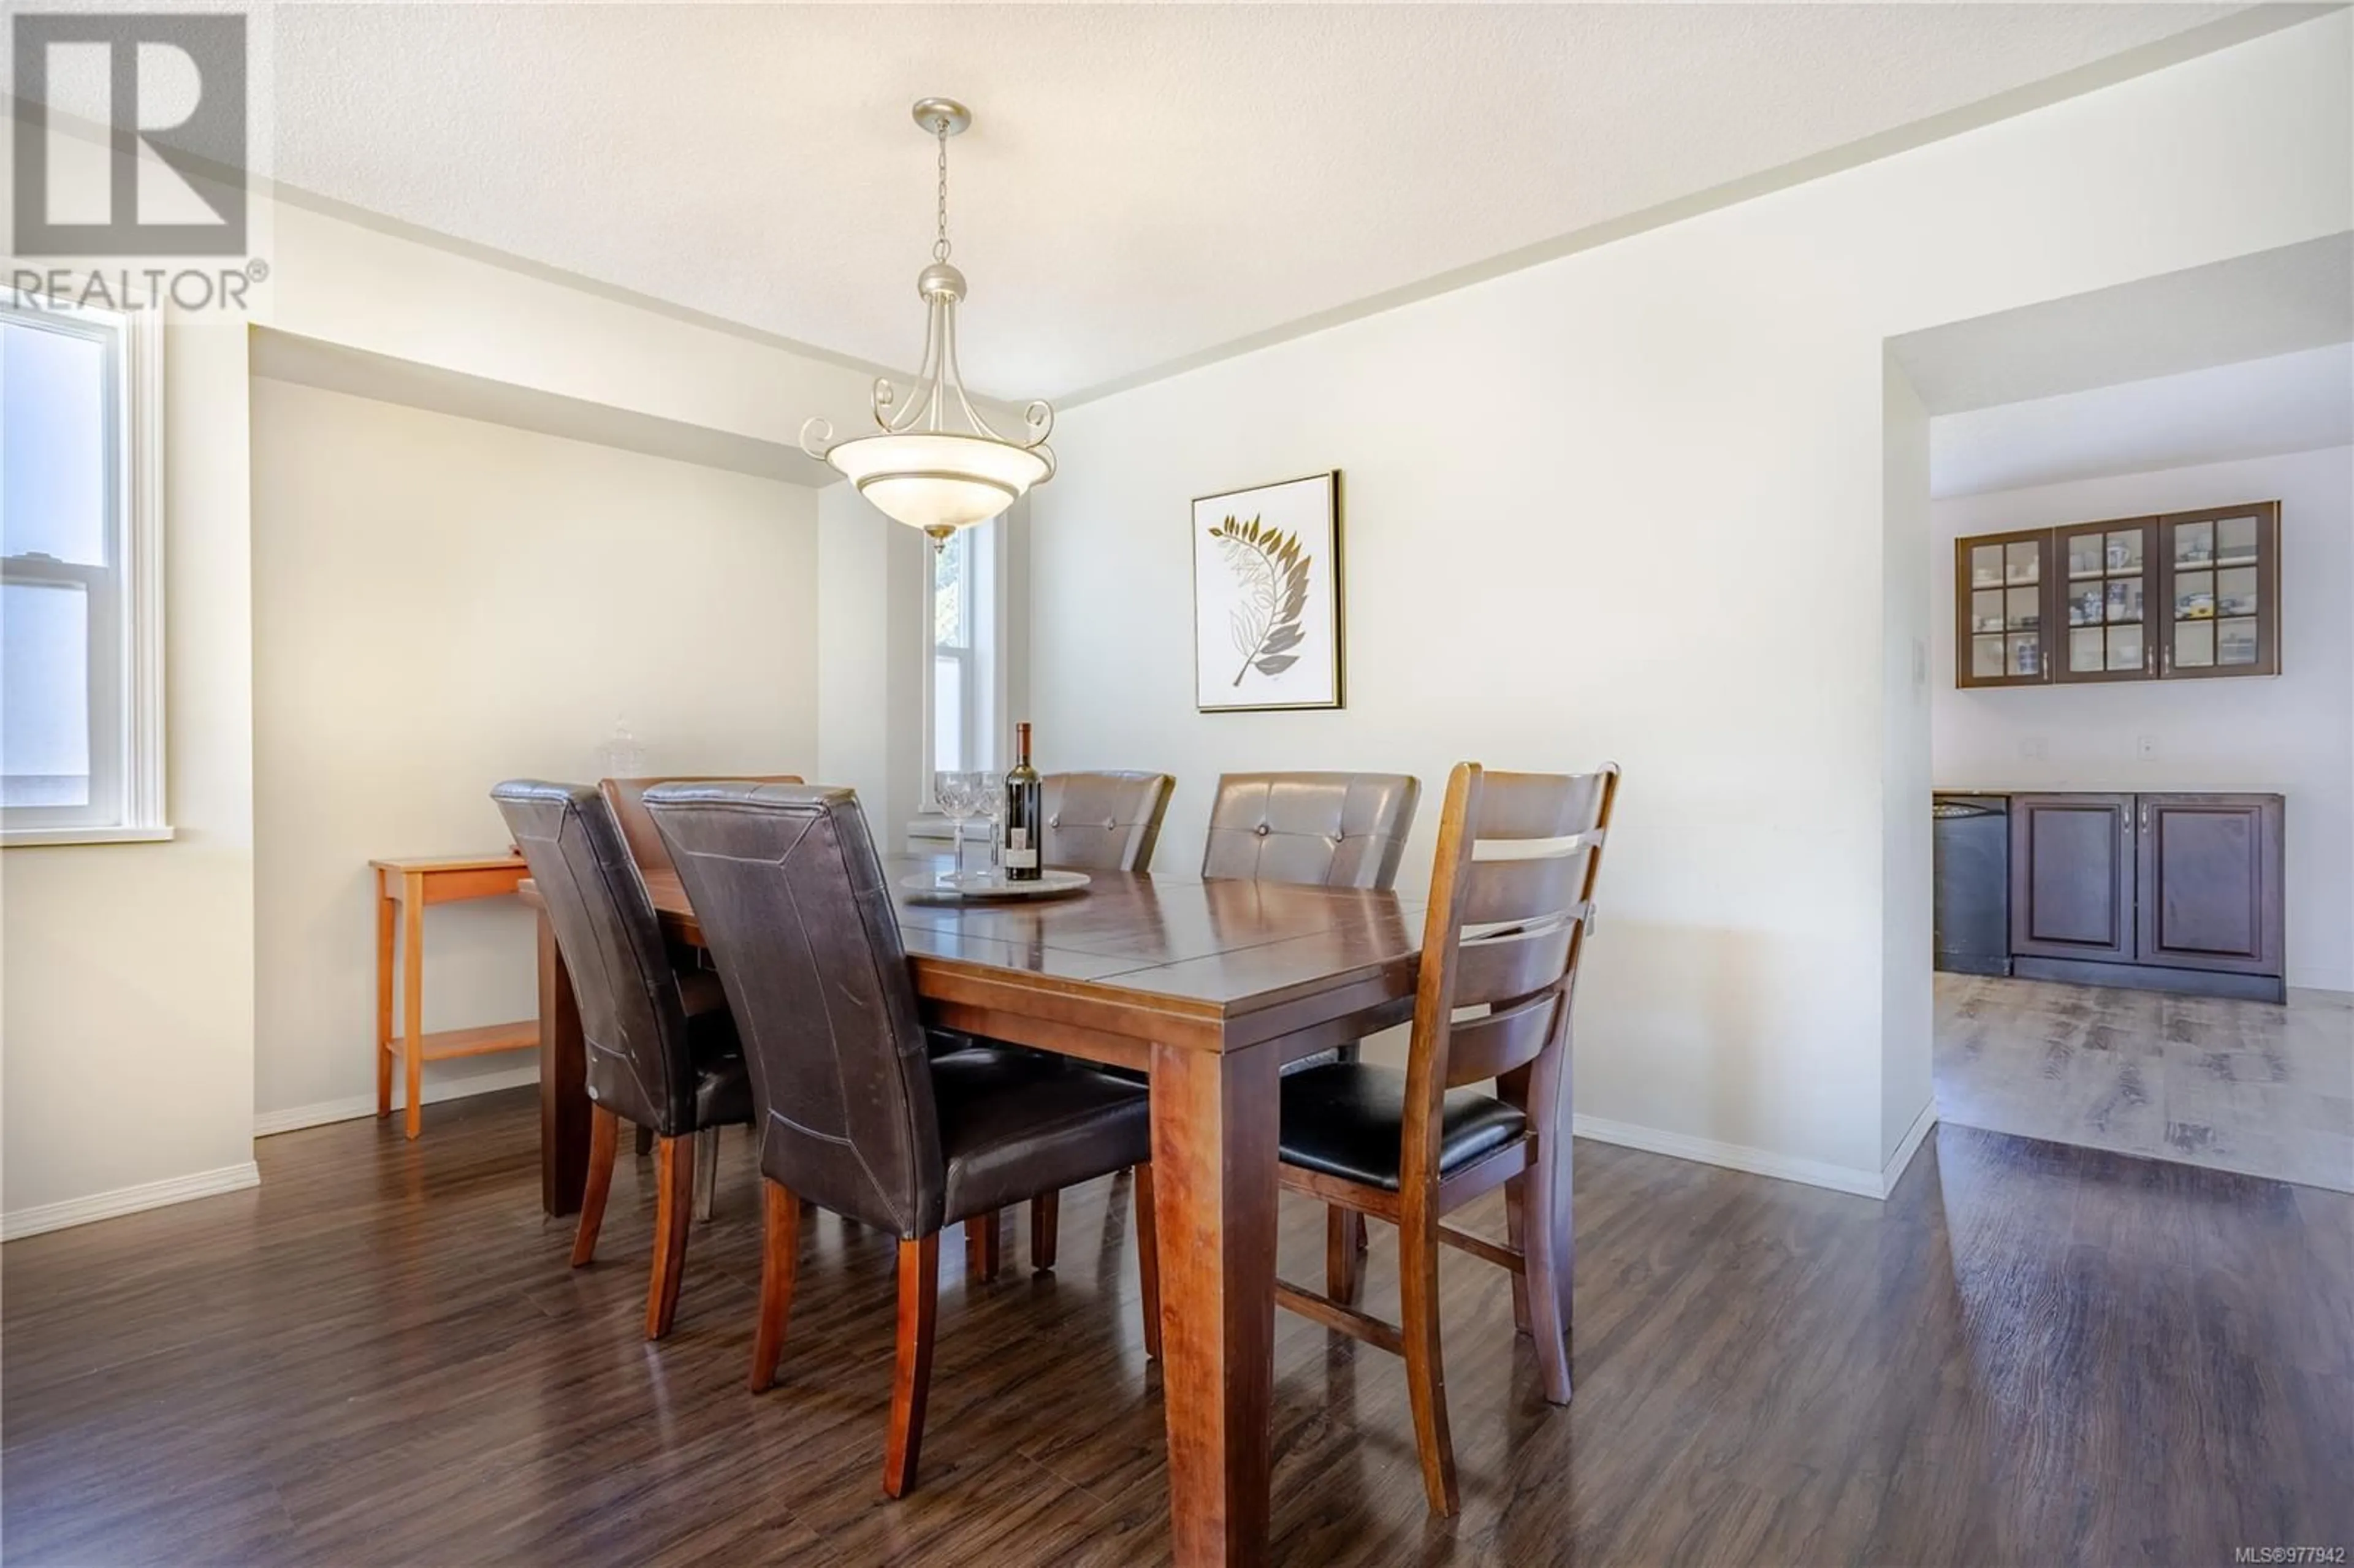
{"x":294,"y":1119}
{"x":1732,"y":1156}
{"x":1907,"y":1147}
{"x":127,"y":1201}
{"x":1760,"y":1161}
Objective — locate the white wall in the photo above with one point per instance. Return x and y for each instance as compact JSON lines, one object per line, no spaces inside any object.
{"x":1906,"y":930}
{"x":126,"y":1048}
{"x":133,"y":964}
{"x":2293,"y":733}
{"x":872,"y":625}
{"x":439,"y":604}
{"x":1630,"y":503}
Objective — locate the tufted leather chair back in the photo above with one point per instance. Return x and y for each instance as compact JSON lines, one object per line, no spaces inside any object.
{"x":604,"y":925}
{"x":792,"y":900}
{"x":1332,"y":830}
{"x":1103,"y":821}
{"x":627,"y":797}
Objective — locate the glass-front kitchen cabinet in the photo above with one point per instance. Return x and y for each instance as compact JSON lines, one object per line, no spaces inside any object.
{"x":2190,"y":594}
{"x":2000,"y":582}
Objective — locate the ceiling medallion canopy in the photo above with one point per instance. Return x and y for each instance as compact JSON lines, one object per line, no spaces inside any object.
{"x":934,"y":462}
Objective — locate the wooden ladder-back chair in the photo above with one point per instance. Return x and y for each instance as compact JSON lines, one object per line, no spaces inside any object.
{"x":1504,"y":933}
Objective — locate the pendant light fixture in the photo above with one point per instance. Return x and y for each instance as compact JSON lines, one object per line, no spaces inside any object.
{"x":920,"y":468}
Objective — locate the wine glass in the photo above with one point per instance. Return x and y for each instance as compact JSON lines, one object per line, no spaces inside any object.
{"x":993,"y":806}
{"x":958,"y":800}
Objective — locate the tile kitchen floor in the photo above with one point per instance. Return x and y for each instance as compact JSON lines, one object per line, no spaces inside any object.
{"x":2248,"y":1086}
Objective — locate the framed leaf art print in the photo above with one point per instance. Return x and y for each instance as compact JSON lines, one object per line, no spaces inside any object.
{"x":1267,"y":597}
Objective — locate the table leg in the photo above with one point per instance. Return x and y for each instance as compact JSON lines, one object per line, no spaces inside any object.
{"x":563,"y":1084}
{"x":385,"y":905}
{"x":1213,"y":1138}
{"x":412,"y":996}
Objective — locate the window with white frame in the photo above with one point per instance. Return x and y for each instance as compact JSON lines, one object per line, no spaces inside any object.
{"x":80,"y":608}
{"x":961,"y":725}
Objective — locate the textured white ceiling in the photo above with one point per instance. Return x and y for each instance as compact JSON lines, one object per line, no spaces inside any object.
{"x":1143,"y":184}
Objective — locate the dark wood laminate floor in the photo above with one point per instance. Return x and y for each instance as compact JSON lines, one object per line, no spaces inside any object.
{"x":2031,"y":1354}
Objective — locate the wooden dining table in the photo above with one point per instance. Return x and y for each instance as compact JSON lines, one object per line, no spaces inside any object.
{"x":1209,"y":987}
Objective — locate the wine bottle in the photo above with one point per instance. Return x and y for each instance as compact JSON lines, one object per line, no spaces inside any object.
{"x":1024,"y":821}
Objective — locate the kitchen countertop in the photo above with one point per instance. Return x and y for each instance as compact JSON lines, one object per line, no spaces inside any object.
{"x":2146,"y":787}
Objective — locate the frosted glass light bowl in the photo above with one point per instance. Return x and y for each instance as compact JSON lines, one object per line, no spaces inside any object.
{"x":935,"y":482}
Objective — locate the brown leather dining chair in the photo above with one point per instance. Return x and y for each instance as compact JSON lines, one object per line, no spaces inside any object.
{"x":1102,"y":821}
{"x":1504,"y":934}
{"x":627,"y":797}
{"x":855,"y":1113}
{"x":662,"y":1052}
{"x":1327,"y":830}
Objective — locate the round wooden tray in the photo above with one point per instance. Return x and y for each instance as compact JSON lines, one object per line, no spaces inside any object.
{"x":979,"y":886}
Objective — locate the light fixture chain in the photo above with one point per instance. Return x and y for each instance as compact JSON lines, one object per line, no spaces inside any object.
{"x":940,"y":243}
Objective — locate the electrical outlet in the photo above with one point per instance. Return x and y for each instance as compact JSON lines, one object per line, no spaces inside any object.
{"x":2034,"y":749}
{"x":2146,"y":746}
{"x":1920,"y":663}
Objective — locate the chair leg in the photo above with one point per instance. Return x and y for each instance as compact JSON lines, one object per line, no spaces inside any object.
{"x":1345,"y":1240}
{"x":1426,"y":1374}
{"x":604,"y":1132}
{"x":980,"y":1246}
{"x":706,"y":1172}
{"x":1045,"y":1221}
{"x":911,"y":1377}
{"x":780,"y":1242}
{"x":1516,"y":1236}
{"x":1148,"y":1261}
{"x":1548,"y":1256}
{"x":645,"y":1141}
{"x":1350,"y":1221}
{"x":674,"y":1202}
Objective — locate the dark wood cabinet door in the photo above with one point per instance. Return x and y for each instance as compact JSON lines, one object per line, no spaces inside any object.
{"x":2002,"y":609}
{"x":2071,"y":876}
{"x":2210,"y":885}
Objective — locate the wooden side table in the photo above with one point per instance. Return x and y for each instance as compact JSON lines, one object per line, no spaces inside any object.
{"x":408,"y":886}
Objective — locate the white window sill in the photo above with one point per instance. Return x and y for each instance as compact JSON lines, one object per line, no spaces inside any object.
{"x":32,"y":838}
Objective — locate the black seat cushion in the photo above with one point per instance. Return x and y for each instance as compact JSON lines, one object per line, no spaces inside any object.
{"x":1348,"y":1119}
{"x":723,"y":1090}
{"x":1016,"y":1123}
